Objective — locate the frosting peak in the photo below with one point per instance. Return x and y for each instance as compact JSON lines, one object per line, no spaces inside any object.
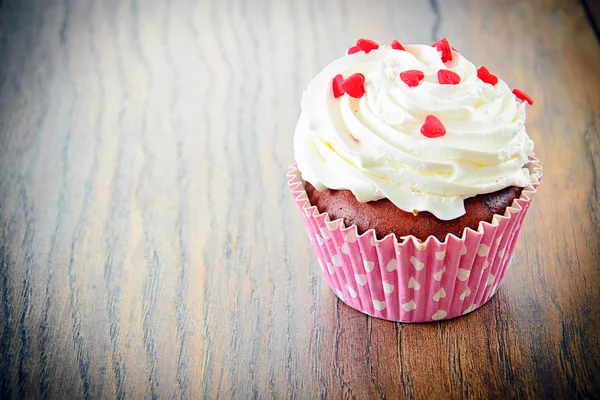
{"x":374,"y":145}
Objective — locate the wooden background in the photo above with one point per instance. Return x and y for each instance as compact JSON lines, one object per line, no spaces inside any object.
{"x":149,"y":246}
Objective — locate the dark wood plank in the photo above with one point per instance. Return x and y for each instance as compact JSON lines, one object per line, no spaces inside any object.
{"x":148,"y":243}
{"x":592,"y":9}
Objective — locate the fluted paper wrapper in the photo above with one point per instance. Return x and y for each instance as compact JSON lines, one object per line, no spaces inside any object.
{"x":405,"y":279}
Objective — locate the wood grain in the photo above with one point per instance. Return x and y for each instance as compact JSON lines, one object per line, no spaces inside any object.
{"x":149,"y":246}
{"x":592,"y":9}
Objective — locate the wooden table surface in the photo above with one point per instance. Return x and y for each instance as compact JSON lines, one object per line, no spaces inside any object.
{"x":149,"y":246}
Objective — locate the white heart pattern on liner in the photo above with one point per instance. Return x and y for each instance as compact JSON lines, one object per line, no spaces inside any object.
{"x":369,"y":265}
{"x":330,"y":268}
{"x":464,"y":294}
{"x":438,"y":275}
{"x":345,"y":248}
{"x":416,"y":263}
{"x":379,"y":305}
{"x":471,"y":308}
{"x":501,"y":253}
{"x":319,"y":240}
{"x":411,"y":305}
{"x":361,"y":279}
{"x":392,"y":265}
{"x":499,"y":239}
{"x":388,"y":287}
{"x":463,"y":274}
{"x":483,"y":250}
{"x":335,"y":259}
{"x":321,"y":264}
{"x":493,"y":291}
{"x":490,"y":280}
{"x":439,"y":315}
{"x":413,"y":284}
{"x":372,"y":241}
{"x":440,"y":254}
{"x":341,"y":295}
{"x":325,"y":232}
{"x":352,"y":291}
{"x":350,"y":236}
{"x":486,"y":264}
{"x":439,"y":295}
{"x":463,"y":250}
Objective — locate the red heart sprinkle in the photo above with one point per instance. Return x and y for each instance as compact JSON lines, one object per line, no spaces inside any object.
{"x":354,"y":85}
{"x":338,"y":90}
{"x":433,"y":127}
{"x":521,"y":95}
{"x":397,"y":46}
{"x":367,"y":45}
{"x":353,"y":49}
{"x":446,"y":77}
{"x":486,"y":76}
{"x":412,"y":77}
{"x":443,"y":46}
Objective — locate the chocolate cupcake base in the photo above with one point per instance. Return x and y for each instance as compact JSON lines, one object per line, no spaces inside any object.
{"x":385,"y":218}
{"x":410,"y":280}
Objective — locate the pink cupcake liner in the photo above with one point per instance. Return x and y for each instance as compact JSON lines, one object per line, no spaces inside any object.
{"x":408,"y":280}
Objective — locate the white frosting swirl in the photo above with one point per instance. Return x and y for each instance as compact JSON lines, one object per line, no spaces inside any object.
{"x":373,"y":146}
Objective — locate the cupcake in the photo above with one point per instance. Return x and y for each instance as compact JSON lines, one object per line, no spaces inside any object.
{"x":413,"y":174}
